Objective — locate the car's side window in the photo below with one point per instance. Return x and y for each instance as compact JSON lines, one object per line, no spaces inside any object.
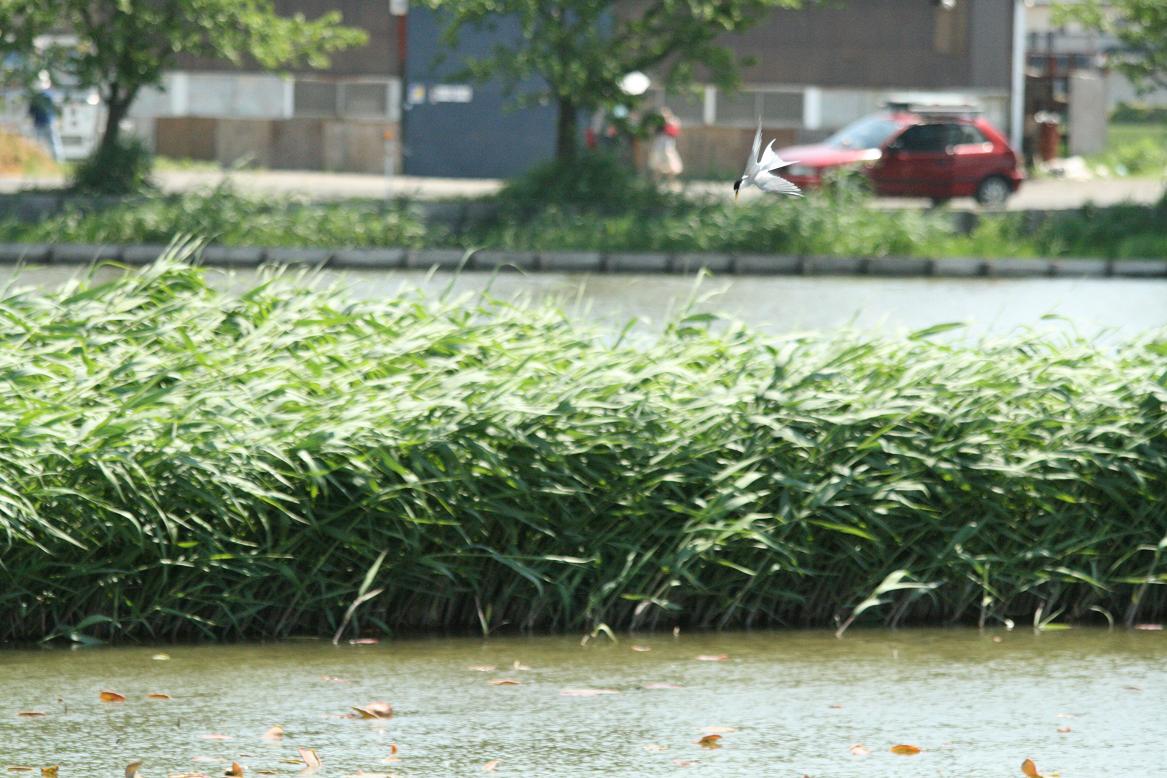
{"x":926,"y":137}
{"x":966,"y":133}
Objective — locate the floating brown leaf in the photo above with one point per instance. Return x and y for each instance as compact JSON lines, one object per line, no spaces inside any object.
{"x":504,"y":682}
{"x":132,"y":769}
{"x":904,"y":749}
{"x":20,"y":768}
{"x":491,"y":766}
{"x":158,"y":696}
{"x":309,"y":757}
{"x":236,"y":770}
{"x":50,"y":772}
{"x":108,"y":696}
{"x":1030,"y":769}
{"x":712,"y":657}
{"x":860,"y":750}
{"x":585,"y":692}
{"x":274,"y":733}
{"x":375,"y":710}
{"x":710,"y":741}
{"x":29,"y":714}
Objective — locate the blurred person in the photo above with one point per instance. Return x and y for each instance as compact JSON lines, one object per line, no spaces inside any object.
{"x":664,"y":161}
{"x":43,"y":110}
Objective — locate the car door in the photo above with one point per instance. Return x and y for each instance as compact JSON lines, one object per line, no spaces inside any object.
{"x":917,"y":163}
{"x":974,"y":158}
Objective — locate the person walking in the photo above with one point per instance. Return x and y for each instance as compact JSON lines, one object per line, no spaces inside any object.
{"x":663,"y":158}
{"x":43,"y":110}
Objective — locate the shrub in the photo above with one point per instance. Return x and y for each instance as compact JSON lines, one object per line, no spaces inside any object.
{"x":121,"y":168}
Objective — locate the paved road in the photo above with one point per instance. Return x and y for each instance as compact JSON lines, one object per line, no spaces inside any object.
{"x":1034,"y":195}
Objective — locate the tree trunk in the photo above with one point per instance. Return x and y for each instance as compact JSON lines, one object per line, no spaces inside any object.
{"x":116,"y":109}
{"x":567,"y":131}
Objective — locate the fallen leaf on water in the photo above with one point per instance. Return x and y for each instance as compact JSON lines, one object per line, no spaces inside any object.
{"x":215,"y":736}
{"x":905,"y":750}
{"x":662,"y":685}
{"x":860,"y":750}
{"x":132,"y":769}
{"x":309,"y":757}
{"x":685,"y":762}
{"x":1064,"y":730}
{"x":504,"y":682}
{"x":375,"y":710}
{"x":275,"y":733}
{"x":712,"y":657}
{"x":393,"y":748}
{"x":1149,"y":627}
{"x":491,"y":766}
{"x":585,"y":692}
{"x":20,"y":768}
{"x":107,"y":696}
{"x":158,"y":696}
{"x":161,"y":657}
{"x":364,"y":642}
{"x":709,"y":741}
{"x":642,"y":648}
{"x":483,"y":668}
{"x":236,"y":770}
{"x":30,"y":713}
{"x":50,"y":772}
{"x":1030,"y":769}
{"x":517,"y":665}
{"x":718,"y":730}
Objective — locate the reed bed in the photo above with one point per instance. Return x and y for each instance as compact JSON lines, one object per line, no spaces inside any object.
{"x":177,"y":463}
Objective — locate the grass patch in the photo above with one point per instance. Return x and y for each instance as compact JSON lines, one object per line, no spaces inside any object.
{"x":1133,"y":149}
{"x":178,"y":462}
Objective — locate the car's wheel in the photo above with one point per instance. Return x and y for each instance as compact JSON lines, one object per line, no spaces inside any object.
{"x":993,"y":191}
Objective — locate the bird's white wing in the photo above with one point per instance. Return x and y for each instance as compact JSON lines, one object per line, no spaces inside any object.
{"x":771,"y":160}
{"x":768,"y":182}
{"x":752,"y":162}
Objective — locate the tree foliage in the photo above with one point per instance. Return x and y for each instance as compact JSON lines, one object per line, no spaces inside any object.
{"x":125,"y":45}
{"x":580,"y":49}
{"x":1140,"y":26}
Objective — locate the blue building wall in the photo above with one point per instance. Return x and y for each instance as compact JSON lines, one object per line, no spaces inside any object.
{"x":483,"y":138}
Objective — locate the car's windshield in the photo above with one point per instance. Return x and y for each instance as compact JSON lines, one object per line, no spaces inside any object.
{"x":867,"y":133}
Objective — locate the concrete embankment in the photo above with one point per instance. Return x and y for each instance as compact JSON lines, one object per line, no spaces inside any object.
{"x":596,"y":262}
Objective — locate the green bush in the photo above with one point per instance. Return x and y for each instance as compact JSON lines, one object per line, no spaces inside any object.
{"x":121,"y":168}
{"x":595,"y":183}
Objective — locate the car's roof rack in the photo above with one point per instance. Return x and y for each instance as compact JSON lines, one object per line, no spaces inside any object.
{"x":933,"y":109}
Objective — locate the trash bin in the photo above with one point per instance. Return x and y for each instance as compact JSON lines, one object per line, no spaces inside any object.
{"x":1049,"y":136}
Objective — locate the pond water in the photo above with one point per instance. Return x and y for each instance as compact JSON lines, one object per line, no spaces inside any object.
{"x":791,"y":703}
{"x":1092,"y":307}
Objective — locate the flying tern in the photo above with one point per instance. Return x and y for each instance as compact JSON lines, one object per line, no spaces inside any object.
{"x":758,"y":173}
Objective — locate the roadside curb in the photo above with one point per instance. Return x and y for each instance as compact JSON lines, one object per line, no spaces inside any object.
{"x":650,"y":263}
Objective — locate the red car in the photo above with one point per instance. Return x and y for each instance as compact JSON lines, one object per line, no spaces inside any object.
{"x":916,"y":154}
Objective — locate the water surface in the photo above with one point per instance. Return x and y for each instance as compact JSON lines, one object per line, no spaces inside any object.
{"x":777,"y":304}
{"x":790,"y":704}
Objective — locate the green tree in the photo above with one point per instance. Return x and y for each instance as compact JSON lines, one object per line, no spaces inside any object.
{"x":580,"y":49}
{"x":1140,"y":27}
{"x":125,"y":45}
